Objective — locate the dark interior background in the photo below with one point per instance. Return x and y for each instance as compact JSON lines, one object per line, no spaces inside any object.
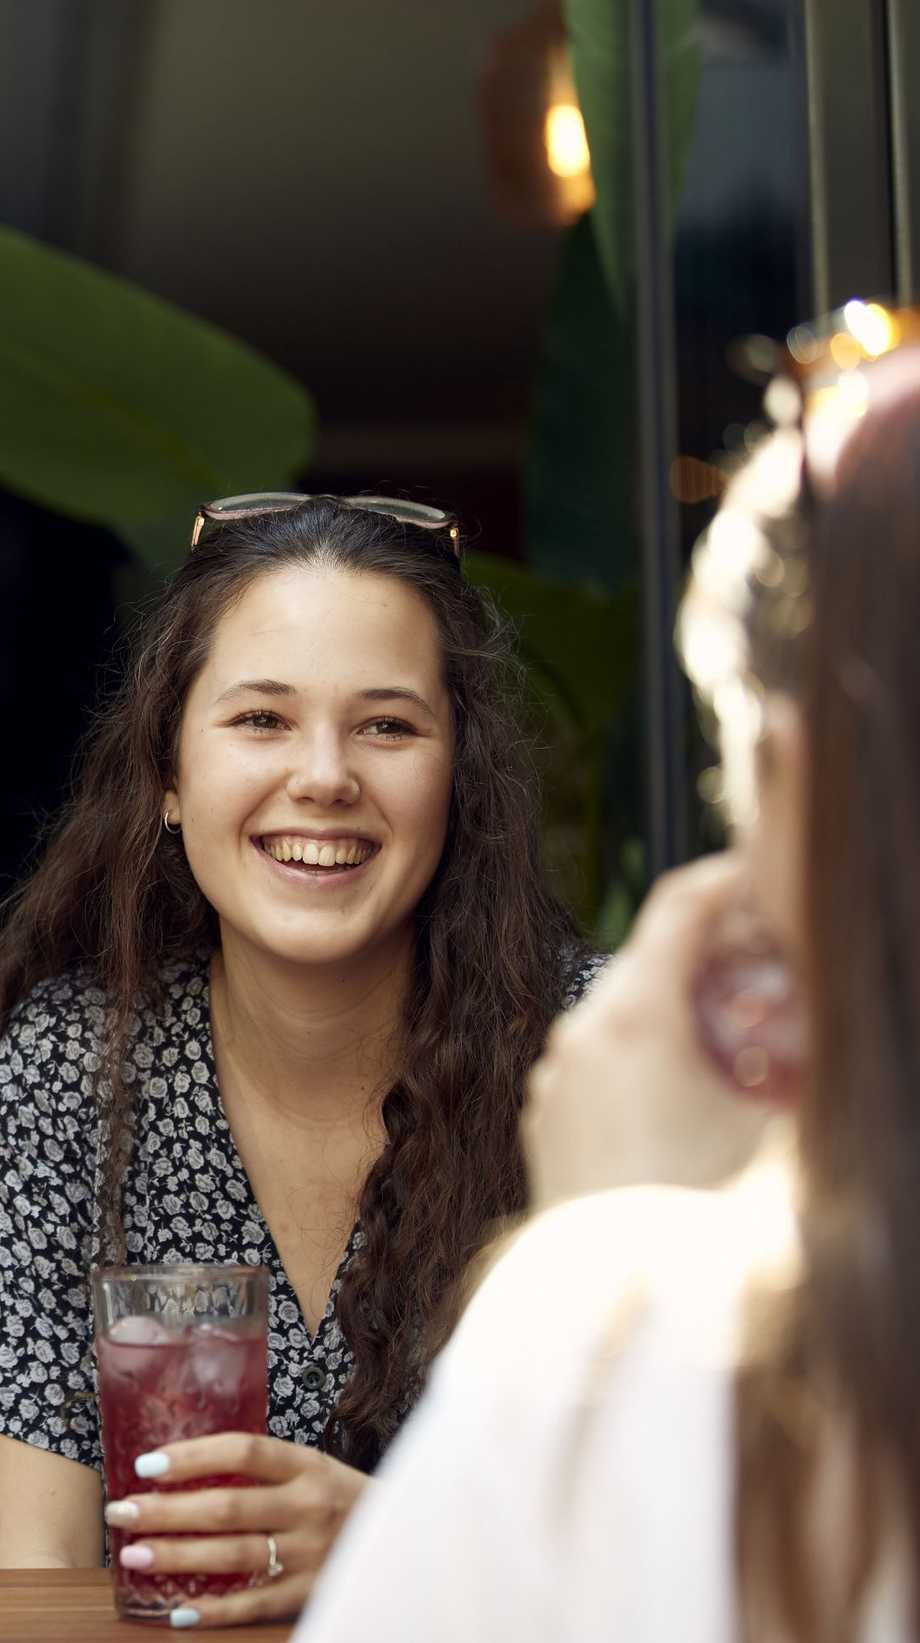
{"x":313,"y":178}
{"x":318,"y":180}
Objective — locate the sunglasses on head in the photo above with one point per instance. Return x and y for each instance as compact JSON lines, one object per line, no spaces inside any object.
{"x":254,"y":503}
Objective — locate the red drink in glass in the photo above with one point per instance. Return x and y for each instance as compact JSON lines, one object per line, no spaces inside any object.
{"x":190,"y":1364}
{"x":751,"y":1022}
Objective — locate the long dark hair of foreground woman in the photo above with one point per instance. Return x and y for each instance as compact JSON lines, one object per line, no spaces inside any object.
{"x":495,"y":957}
{"x":833,"y":619}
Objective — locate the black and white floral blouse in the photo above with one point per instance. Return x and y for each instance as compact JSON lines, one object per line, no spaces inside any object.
{"x":186,"y":1197}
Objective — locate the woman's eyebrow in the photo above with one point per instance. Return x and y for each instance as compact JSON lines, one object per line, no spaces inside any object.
{"x":257,"y":687}
{"x":396,"y":693}
{"x":276,"y":687}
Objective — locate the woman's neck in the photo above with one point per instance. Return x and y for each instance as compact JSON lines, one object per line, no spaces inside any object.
{"x":318,"y":1046}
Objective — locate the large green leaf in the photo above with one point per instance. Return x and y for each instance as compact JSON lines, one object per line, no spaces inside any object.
{"x":579,"y":489}
{"x":578,"y":641}
{"x":580,"y":495}
{"x":579,"y":646}
{"x":578,"y":476}
{"x":120,"y":408}
{"x":601,"y":48}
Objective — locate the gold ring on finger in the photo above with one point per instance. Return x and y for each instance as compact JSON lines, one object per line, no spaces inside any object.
{"x":275,"y":1565}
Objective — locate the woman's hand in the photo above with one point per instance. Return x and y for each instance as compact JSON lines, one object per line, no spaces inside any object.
{"x":299,"y":1497}
{"x":623,"y":1094}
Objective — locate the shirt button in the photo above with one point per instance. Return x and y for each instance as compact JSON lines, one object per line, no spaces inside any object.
{"x":313,"y":1378}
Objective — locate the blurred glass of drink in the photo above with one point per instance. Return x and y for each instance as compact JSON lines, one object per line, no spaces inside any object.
{"x":751,"y":1020}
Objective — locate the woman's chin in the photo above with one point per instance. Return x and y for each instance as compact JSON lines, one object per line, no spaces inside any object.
{"x":327,"y":943}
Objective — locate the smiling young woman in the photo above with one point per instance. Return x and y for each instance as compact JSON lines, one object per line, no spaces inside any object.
{"x":271,"y":996}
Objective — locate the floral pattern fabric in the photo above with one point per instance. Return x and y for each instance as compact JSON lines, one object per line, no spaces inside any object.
{"x":187,"y":1198}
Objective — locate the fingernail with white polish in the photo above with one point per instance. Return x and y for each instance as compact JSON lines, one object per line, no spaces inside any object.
{"x":154,"y":1465}
{"x":182,"y":1619}
{"x":120,"y":1514}
{"x":136,"y":1557}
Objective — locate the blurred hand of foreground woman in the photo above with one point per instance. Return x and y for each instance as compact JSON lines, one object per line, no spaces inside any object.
{"x":623,"y":1094}
{"x":298,"y":1496}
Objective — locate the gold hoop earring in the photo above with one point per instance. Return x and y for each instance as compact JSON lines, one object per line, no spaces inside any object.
{"x":168,"y":825}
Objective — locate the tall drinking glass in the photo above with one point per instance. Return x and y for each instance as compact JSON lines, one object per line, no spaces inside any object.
{"x":182,"y":1354}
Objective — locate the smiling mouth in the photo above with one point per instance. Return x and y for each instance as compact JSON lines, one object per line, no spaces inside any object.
{"x":317,"y":855}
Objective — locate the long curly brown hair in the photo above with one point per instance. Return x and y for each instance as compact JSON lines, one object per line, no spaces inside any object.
{"x":496,"y":953}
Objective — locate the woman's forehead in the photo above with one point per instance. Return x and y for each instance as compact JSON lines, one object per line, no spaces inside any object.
{"x":336,"y":624}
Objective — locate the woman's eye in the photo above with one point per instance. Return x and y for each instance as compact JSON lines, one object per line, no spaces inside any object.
{"x":389,"y":729}
{"x":259,"y":719}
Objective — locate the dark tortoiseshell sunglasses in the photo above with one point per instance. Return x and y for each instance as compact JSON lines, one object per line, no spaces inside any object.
{"x":254,"y":503}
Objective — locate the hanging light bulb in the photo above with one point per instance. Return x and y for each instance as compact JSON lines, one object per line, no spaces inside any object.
{"x":566,"y":142}
{"x":537,"y":141}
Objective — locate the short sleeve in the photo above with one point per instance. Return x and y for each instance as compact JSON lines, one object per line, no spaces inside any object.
{"x":48,"y":1152}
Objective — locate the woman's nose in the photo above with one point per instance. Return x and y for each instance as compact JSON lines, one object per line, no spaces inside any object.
{"x":322,"y":773}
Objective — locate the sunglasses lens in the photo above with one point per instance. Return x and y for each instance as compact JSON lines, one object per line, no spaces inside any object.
{"x":408,"y":513}
{"x":255,"y":502}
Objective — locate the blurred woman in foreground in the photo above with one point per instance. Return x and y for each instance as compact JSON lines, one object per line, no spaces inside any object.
{"x":675,"y":1413}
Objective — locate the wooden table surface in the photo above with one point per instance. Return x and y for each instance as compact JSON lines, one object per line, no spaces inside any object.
{"x":75,"y":1606}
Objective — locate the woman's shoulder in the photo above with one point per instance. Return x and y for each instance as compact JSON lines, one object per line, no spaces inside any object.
{"x":66,"y":1016}
{"x":61,"y":1012}
{"x":667,"y":1264}
{"x":50,"y":1055}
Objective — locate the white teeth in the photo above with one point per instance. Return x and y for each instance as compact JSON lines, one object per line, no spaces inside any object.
{"x":343,"y":853}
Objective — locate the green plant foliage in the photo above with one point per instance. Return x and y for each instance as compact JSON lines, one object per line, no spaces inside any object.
{"x":578,"y":478}
{"x":118,"y":407}
{"x":580,"y":490}
{"x":578,"y":644}
{"x":576,"y":640}
{"x":602,"y":55}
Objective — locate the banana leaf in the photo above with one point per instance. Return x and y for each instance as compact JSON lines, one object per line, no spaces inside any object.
{"x":581,"y":456}
{"x":599,"y":35}
{"x":576,"y":640}
{"x":580,"y":500}
{"x":578,"y":644}
{"x":119,"y":408}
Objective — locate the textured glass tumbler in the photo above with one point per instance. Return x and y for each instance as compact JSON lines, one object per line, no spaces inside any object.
{"x":182,"y":1354}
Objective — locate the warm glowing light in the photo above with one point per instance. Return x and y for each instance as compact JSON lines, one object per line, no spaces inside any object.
{"x":567,"y":151}
{"x":854,"y":393}
{"x":833,"y":412}
{"x":783,"y":402}
{"x":804,"y":345}
{"x":845,"y":351}
{"x":734,"y":540}
{"x":875,"y":330}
